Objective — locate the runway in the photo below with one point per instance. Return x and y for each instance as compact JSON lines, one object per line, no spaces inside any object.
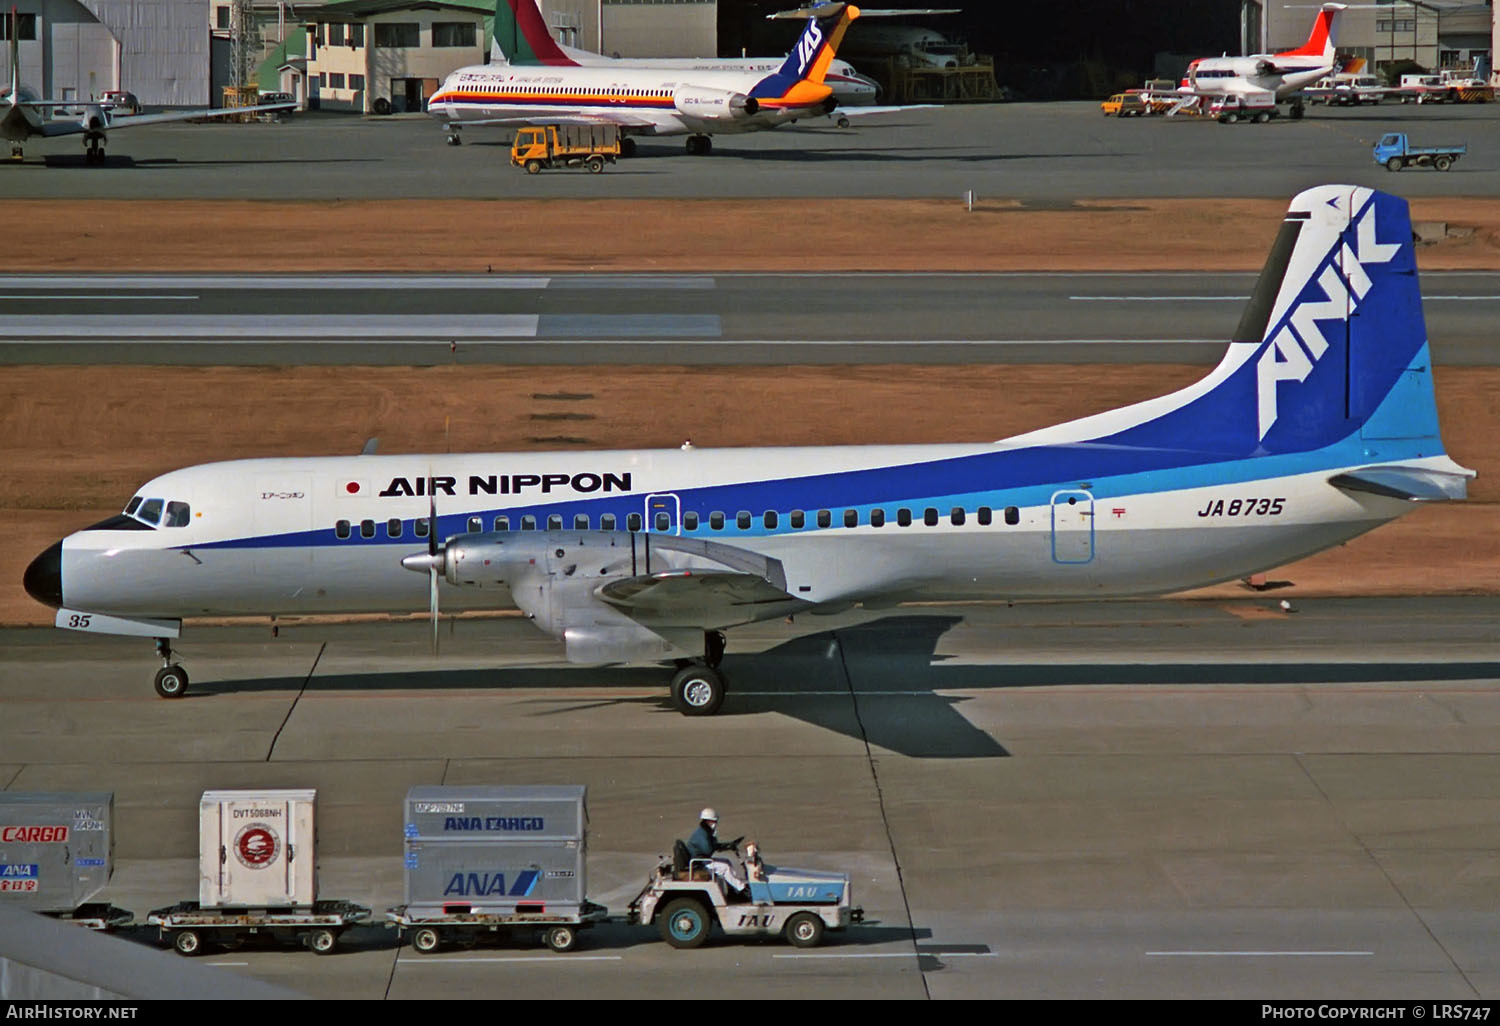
{"x":689,"y":319}
{"x":1128,"y":800}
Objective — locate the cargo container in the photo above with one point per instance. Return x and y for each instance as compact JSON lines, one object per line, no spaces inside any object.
{"x":257,"y":876}
{"x":57,"y":853}
{"x":493,"y":859}
{"x":257,"y":849}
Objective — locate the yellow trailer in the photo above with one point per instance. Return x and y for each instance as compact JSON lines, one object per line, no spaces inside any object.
{"x":590,"y":146}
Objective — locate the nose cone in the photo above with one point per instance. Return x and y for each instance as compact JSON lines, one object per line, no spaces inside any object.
{"x":43,"y":579}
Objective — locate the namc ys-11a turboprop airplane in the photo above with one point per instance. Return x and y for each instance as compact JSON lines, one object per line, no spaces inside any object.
{"x":640,"y":100}
{"x":23,"y":116}
{"x":1319,"y":424}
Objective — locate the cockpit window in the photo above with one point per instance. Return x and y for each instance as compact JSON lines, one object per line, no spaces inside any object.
{"x":131,"y":508}
{"x":177,"y":515}
{"x":150,"y":511}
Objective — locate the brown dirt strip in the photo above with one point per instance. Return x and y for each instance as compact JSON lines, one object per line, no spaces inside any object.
{"x":76,"y":442}
{"x":683,"y":235}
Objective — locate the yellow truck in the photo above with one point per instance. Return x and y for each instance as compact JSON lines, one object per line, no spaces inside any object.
{"x":589,"y":146}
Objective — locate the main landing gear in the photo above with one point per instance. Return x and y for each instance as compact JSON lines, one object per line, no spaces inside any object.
{"x":93,"y":148}
{"x":699,"y":145}
{"x":627,"y":147}
{"x":1297,"y":110}
{"x":15,"y":152}
{"x":698,"y":688}
{"x":171,"y":679}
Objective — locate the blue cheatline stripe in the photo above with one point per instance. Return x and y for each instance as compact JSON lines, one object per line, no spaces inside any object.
{"x":1019,"y":477}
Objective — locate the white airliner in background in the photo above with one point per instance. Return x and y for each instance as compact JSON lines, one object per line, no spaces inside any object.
{"x":1255,"y":84}
{"x":646,"y":101}
{"x":520,"y":38}
{"x":23,"y":116}
{"x":1318,"y":425}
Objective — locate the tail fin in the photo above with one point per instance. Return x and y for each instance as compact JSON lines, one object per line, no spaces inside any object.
{"x":1331,"y":349}
{"x":810,"y":58}
{"x":520,"y":36}
{"x":1322,"y":41}
{"x":15,"y":56}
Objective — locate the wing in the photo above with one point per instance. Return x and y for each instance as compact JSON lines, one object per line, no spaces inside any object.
{"x":859,"y":112}
{"x":112,"y":124}
{"x":704,"y":583}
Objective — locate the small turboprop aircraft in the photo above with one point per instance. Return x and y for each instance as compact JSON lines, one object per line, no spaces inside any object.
{"x":1319,"y":424}
{"x":23,"y":116}
{"x":1254,"y":85}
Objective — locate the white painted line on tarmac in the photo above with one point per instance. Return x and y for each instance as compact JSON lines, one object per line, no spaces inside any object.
{"x":113,"y":297}
{"x":242,"y":283}
{"x":1158,"y":299}
{"x":1260,"y":954}
{"x":226,"y":964}
{"x":557,"y":959}
{"x":97,"y":328}
{"x":902,"y":954}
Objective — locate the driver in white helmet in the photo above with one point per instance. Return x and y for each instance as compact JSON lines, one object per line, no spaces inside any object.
{"x":705,"y":844}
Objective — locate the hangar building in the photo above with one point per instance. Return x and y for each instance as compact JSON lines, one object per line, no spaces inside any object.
{"x":78,"y":49}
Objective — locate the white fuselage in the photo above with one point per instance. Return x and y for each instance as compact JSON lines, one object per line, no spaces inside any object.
{"x":1281,"y":77}
{"x":648,"y":101}
{"x":264,"y":536}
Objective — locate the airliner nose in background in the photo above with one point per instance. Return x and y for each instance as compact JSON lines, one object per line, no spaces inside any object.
{"x":1319,"y":424}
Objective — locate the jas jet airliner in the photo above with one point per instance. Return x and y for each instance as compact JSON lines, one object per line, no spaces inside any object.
{"x":521,"y":38}
{"x":23,"y":116}
{"x":1258,"y":82}
{"x":1318,"y":425}
{"x":646,"y":101}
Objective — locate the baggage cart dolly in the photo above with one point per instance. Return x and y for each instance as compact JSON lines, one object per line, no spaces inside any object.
{"x":466,"y":927}
{"x":95,"y":916}
{"x":188,"y":926}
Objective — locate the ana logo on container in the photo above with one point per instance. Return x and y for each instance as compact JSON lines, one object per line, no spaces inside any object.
{"x":256,"y":846}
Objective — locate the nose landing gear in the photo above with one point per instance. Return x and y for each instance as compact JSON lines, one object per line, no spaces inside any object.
{"x":171,"y":679}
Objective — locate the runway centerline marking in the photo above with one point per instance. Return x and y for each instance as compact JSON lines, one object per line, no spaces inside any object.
{"x":557,"y":959}
{"x":1259,"y":954}
{"x":113,"y":297}
{"x":1158,"y":299}
{"x":902,"y":954}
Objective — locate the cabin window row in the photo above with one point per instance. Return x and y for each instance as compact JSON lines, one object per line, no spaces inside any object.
{"x":743,"y":520}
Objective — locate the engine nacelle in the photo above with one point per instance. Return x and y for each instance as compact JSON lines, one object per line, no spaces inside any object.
{"x":713,"y":104}
{"x":93,"y":119}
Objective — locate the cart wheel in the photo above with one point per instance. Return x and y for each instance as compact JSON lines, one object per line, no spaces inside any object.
{"x":596,"y":164}
{"x":533,"y":167}
{"x":1442,"y":163}
{"x":684,"y":923}
{"x":561,"y":938}
{"x":323,"y":940}
{"x":804,"y":930}
{"x":1394,"y":164}
{"x":187,"y":942}
{"x":425,"y":940}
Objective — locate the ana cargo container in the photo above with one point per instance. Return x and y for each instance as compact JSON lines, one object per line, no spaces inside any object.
{"x":57,"y":853}
{"x":257,"y":876}
{"x":487,"y":860}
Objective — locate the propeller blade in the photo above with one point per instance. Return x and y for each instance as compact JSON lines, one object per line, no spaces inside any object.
{"x":433,"y":598}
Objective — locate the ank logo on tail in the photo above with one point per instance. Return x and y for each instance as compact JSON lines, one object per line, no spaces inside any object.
{"x":1300,"y":343}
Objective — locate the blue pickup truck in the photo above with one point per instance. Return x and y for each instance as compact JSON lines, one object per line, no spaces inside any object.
{"x":1396,"y":152}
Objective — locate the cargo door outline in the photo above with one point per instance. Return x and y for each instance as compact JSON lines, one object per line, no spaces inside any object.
{"x":659,"y":503}
{"x":1072,"y":526}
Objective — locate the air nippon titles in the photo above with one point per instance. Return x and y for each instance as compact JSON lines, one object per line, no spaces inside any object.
{"x":509,"y":484}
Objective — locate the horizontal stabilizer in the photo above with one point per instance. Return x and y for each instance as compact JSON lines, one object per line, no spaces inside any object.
{"x":1414,"y":484}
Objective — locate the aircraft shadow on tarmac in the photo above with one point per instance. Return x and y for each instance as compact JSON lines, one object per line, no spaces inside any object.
{"x":889,"y":155}
{"x":126,"y":162}
{"x":879,"y":682}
